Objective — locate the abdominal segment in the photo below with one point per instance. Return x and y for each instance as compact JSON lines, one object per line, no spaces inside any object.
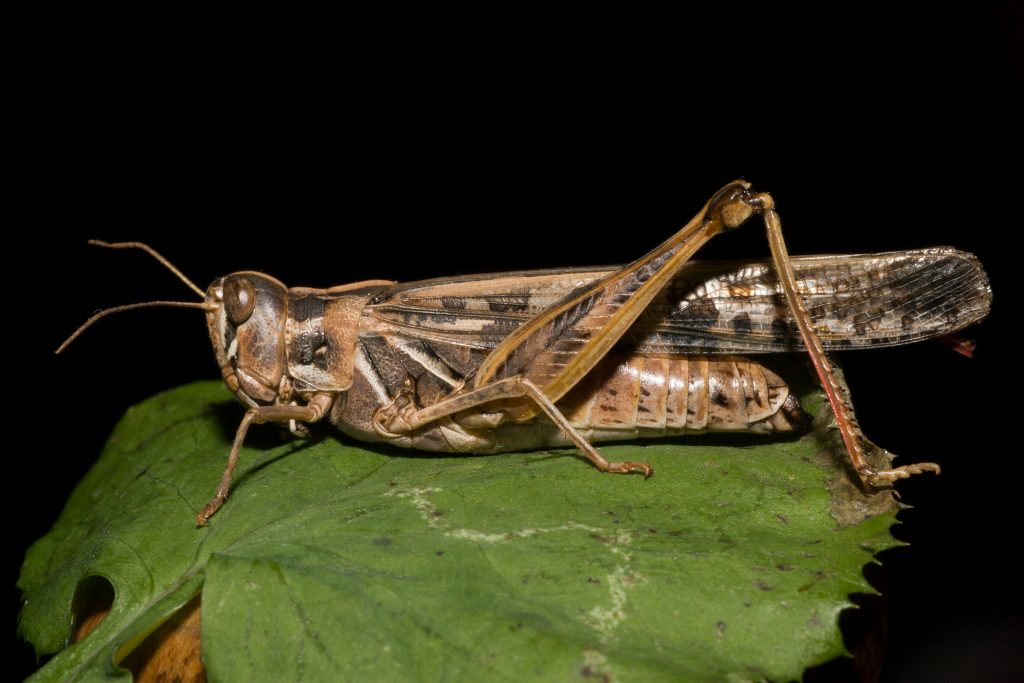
{"x":623,"y":398}
{"x":638,"y":396}
{"x":677,"y":395}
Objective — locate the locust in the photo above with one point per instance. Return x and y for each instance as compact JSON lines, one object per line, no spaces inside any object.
{"x":534,"y":359}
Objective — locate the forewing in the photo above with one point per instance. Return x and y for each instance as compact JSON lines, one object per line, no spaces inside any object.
{"x":478,"y":311}
{"x":855,"y":301}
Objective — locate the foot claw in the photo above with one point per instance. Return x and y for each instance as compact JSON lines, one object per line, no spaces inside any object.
{"x":208,"y":510}
{"x":887,"y":477}
{"x":627,"y":466}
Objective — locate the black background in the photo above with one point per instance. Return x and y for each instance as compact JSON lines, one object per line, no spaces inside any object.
{"x":286,"y":148}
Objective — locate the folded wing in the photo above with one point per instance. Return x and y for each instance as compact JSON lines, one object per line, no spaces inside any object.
{"x":855,"y":301}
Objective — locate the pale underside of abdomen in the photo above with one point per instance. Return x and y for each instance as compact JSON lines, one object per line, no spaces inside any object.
{"x":635,"y":396}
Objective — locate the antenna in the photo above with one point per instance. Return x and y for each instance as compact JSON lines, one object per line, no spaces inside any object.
{"x":155,"y":254}
{"x":149,"y":304}
{"x":130,"y":307}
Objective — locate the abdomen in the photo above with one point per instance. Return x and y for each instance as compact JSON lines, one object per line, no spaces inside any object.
{"x":668,"y":396}
{"x":623,"y":398}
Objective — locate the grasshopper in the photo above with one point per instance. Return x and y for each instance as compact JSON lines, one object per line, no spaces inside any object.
{"x":513,"y":361}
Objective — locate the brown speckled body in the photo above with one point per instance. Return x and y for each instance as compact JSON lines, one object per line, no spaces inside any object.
{"x":674,"y":372}
{"x":362,"y":342}
{"x":491,"y":363}
{"x":511,"y":361}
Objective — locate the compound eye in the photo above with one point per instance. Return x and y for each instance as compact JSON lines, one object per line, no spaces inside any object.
{"x":239,"y":299}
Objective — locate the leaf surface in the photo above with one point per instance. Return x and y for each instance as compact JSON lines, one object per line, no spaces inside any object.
{"x":336,"y":561}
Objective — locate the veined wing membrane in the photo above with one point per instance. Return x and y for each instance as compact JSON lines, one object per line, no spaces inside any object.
{"x":866,"y":300}
{"x":855,"y":301}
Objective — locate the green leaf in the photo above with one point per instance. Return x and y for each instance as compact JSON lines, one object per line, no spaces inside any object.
{"x":333,"y":561}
